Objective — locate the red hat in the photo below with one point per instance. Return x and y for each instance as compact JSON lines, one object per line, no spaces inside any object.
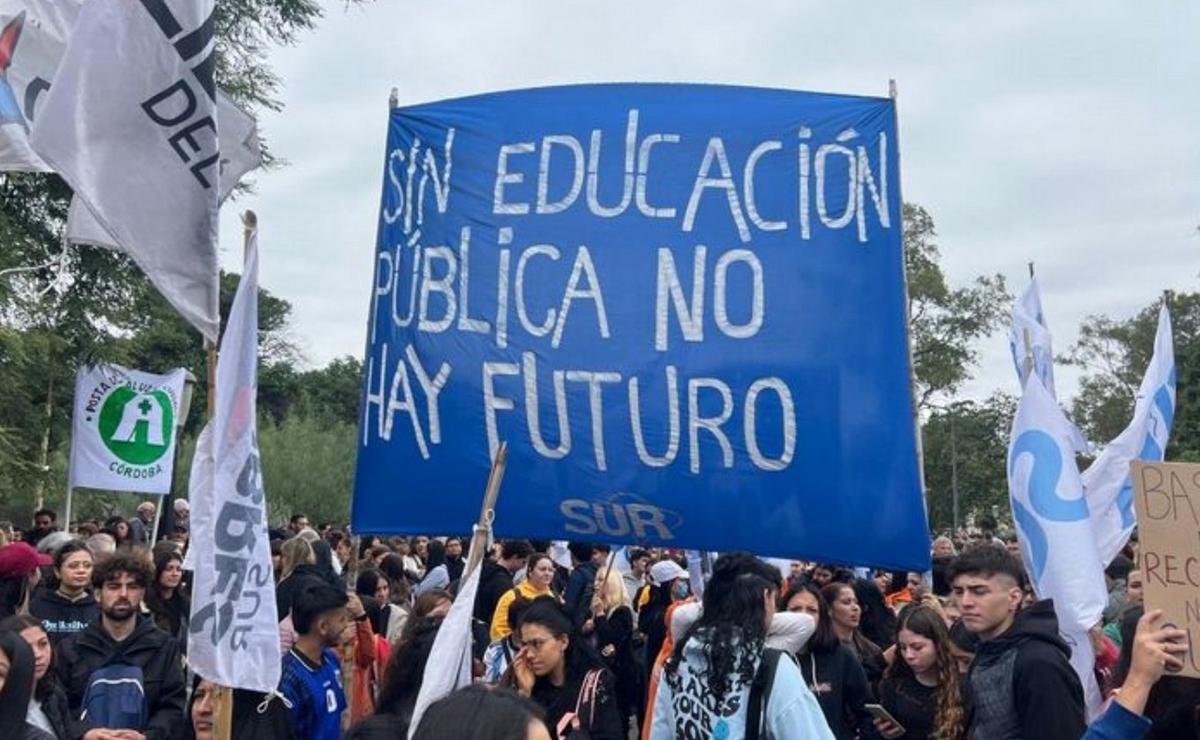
{"x":19,"y":559}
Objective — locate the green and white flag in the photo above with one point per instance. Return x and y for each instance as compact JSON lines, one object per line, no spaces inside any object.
{"x":124,"y":429}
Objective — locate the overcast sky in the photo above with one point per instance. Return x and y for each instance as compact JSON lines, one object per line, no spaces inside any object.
{"x":1062,"y":133}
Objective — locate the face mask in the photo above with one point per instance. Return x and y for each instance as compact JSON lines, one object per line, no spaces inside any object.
{"x":680,"y":590}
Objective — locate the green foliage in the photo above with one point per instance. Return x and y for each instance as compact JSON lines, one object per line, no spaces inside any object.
{"x":972,"y":437}
{"x":1116,"y":353}
{"x":61,"y":308}
{"x":308,"y":467}
{"x":945,"y":323}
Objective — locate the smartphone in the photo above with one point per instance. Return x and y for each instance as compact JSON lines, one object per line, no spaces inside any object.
{"x":878,"y":712}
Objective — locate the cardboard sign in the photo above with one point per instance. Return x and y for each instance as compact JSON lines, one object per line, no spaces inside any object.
{"x":1167,"y":498}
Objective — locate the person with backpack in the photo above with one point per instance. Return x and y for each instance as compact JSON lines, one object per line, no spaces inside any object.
{"x":539,"y":576}
{"x":563,"y":675}
{"x":722,"y":681}
{"x":121,"y":672}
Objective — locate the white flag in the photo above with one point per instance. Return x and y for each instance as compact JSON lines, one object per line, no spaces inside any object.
{"x":123,"y":429}
{"x":233,"y":636}
{"x":130,"y":124}
{"x":1029,"y":339}
{"x":1031,"y":348}
{"x":33,"y":34}
{"x":1046,"y":494}
{"x":449,"y":666}
{"x":241,"y":152}
{"x":1107,"y":482}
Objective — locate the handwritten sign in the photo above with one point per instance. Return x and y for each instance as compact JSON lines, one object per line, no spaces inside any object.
{"x":682,"y":306}
{"x":1167,"y":497}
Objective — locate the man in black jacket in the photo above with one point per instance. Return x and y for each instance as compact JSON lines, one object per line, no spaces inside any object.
{"x":1021,"y":681}
{"x":497,"y":577}
{"x":123,"y":637}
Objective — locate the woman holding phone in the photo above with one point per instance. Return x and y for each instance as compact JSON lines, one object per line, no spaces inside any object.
{"x":921,"y":693}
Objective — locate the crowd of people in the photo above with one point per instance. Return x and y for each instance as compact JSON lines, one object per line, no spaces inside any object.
{"x":574,"y":640}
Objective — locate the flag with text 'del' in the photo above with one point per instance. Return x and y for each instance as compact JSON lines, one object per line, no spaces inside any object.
{"x":1057,"y":544}
{"x":233,"y":636}
{"x":1107,"y":480}
{"x":241,"y":153}
{"x":130,"y":124}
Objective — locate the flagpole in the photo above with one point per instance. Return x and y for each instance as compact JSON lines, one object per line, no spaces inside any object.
{"x":223,"y":711}
{"x":1031,"y":271}
{"x":487,"y":512}
{"x":894,"y":94}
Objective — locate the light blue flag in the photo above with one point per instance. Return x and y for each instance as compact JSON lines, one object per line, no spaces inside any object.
{"x":1057,"y":543}
{"x":1107,"y":482}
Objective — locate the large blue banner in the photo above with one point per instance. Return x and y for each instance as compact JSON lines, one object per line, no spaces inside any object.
{"x":682,"y":307}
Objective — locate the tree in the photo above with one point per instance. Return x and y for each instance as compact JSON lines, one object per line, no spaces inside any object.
{"x":1115,"y":354}
{"x":62,"y":307}
{"x":966,"y":443}
{"x":944,"y":322}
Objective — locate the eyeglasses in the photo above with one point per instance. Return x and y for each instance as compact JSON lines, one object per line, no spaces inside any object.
{"x":536,"y":644}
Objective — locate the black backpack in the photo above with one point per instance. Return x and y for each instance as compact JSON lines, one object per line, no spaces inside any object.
{"x":760,"y":690}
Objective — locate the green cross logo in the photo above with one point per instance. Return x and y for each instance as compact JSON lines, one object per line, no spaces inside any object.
{"x":136,"y":427}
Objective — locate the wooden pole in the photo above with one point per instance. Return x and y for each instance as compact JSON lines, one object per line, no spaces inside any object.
{"x":487,"y":512}
{"x":894,"y":94}
{"x":1028,"y":352}
{"x":1031,"y":275}
{"x":223,"y":709}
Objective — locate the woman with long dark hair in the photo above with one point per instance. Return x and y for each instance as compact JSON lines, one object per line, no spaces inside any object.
{"x":846,"y":616}
{"x":830,"y":669}
{"x":16,"y":689}
{"x":165,"y":599}
{"x":48,"y":709}
{"x":372,"y":584}
{"x":557,"y":669}
{"x":399,"y":588}
{"x":922,"y":689}
{"x":878,"y":621}
{"x":118,"y":528}
{"x":70,"y":607}
{"x":406,"y":670}
{"x":437,"y":576}
{"x":708,"y":687}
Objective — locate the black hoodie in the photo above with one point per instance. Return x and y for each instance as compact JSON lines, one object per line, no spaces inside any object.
{"x":1022,"y":684}
{"x":836,"y":678}
{"x":304,"y":575}
{"x":147,"y":647}
{"x":60,"y":616}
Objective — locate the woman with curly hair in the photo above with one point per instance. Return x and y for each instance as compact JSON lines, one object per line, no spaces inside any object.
{"x":715,"y":684}
{"x":922,"y":690}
